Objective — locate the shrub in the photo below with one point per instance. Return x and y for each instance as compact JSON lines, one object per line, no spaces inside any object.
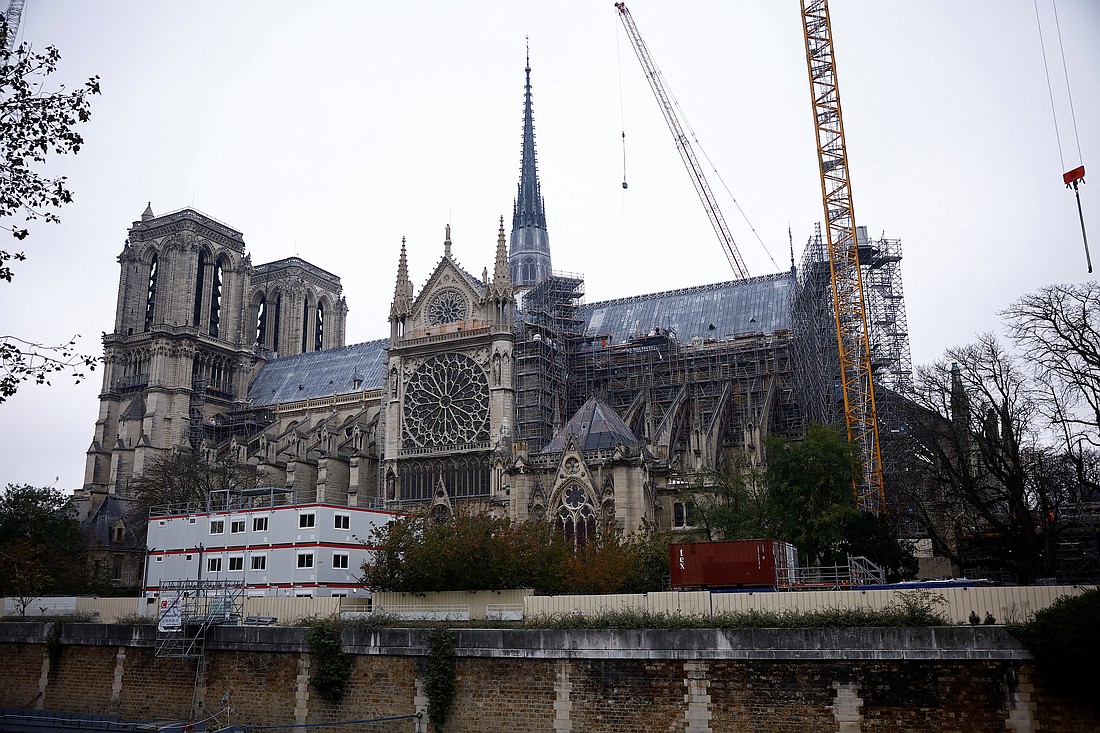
{"x":331,"y":666}
{"x":1065,"y":640}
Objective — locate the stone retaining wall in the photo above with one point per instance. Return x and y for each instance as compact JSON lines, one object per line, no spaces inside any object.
{"x":851,"y":680}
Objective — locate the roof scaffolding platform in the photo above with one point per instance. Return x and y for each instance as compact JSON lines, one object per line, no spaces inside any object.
{"x":187,"y":610}
{"x":230,"y":500}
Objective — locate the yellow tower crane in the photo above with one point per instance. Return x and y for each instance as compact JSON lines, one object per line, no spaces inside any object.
{"x":847,"y":281}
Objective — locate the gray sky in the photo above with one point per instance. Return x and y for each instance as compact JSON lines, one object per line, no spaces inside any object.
{"x":332,"y":129}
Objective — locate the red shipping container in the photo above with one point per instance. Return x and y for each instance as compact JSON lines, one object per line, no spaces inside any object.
{"x":736,"y":564}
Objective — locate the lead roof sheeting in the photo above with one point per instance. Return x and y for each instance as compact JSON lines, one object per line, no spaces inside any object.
{"x":760,"y":305}
{"x":596,"y":425}
{"x":320,"y":374}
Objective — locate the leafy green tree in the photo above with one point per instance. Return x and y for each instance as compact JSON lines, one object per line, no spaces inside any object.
{"x":1065,"y":640}
{"x":810,"y":498}
{"x":869,"y":535}
{"x":41,"y":551}
{"x":480,"y":552}
{"x":35,"y":122}
{"x":729,"y":504}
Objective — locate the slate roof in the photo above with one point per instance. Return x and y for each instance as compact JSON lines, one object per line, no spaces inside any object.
{"x":595,"y":425}
{"x":722,"y":310}
{"x":320,"y":374}
{"x":97,"y":529}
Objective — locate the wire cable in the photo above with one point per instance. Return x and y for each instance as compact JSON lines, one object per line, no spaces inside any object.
{"x":695,"y":139}
{"x":622,"y":107}
{"x":1065,"y":72}
{"x":1050,"y":88}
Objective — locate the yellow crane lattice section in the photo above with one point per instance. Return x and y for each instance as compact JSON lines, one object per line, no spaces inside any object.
{"x":847,"y":281}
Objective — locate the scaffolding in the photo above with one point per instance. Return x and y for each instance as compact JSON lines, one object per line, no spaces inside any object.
{"x":548,"y":331}
{"x":189,"y":608}
{"x":815,"y":344}
{"x":682,"y":398}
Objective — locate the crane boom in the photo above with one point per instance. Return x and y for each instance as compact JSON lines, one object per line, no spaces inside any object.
{"x":695,"y":171}
{"x":14,"y":15}
{"x":847,"y":280}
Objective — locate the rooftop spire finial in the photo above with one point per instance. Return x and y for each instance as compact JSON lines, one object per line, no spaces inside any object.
{"x":447,"y":242}
{"x":502,"y":278}
{"x":403,"y":290}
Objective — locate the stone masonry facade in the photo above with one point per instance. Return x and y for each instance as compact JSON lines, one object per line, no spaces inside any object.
{"x":851,"y":681}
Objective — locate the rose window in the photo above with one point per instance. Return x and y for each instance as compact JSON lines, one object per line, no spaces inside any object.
{"x":446,"y":403}
{"x":447,"y":306}
{"x":573,"y":497}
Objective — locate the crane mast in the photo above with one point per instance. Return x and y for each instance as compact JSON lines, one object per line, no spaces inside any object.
{"x":695,"y":171}
{"x":847,"y":281}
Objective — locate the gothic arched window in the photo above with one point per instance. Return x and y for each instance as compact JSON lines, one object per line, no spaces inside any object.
{"x":261,"y":322}
{"x":216,"y":298}
{"x":319,"y":330}
{"x":577,"y":516}
{"x":151,"y":292}
{"x":200,"y":277}
{"x":276,"y":322}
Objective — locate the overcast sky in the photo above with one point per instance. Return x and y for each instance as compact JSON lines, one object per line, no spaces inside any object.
{"x":332,"y":129}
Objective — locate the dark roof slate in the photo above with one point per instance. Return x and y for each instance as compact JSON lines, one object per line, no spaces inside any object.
{"x":596,"y":425}
{"x":719,"y":311}
{"x":320,"y":374}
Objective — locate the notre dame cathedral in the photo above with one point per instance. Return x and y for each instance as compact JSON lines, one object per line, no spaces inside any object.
{"x":503,"y":392}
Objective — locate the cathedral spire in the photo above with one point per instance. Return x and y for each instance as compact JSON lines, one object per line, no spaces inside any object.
{"x":529,"y":252}
{"x":403,"y":290}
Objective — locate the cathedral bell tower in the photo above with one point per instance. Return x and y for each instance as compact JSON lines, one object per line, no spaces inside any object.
{"x":182,"y":346}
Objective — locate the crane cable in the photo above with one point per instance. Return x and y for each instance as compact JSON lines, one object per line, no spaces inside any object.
{"x":695,"y":139}
{"x":622,"y":107}
{"x":1077,"y":174}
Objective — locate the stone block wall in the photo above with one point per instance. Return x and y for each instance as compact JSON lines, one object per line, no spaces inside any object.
{"x":523,"y":681}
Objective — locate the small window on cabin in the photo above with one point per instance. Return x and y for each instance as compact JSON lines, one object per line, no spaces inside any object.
{"x":217,"y":526}
{"x":214,"y":564}
{"x":306,"y":521}
{"x":305,"y":559}
{"x":259,"y":524}
{"x":342,"y":521}
{"x":236,"y":526}
{"x":340,"y":560}
{"x":258,"y":562}
{"x":236,"y":563}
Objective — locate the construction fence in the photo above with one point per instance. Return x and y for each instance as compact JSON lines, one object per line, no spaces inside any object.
{"x":1005,"y":604}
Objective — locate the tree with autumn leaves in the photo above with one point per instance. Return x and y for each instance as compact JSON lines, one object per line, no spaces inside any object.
{"x":479,"y":552}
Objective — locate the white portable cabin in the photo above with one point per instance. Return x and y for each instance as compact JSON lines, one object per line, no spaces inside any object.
{"x":264,"y":538}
